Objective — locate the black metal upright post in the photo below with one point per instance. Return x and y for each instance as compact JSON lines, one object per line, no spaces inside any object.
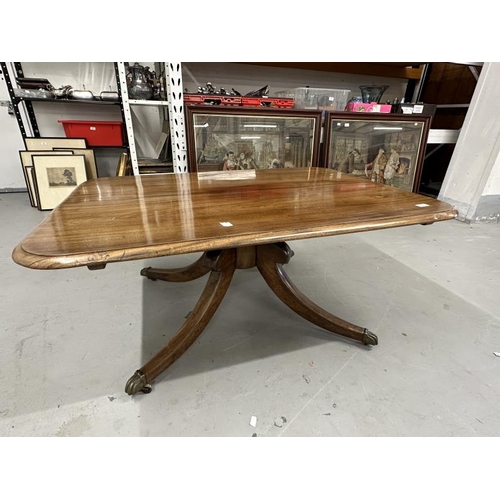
{"x":28,"y":104}
{"x":15,"y":103}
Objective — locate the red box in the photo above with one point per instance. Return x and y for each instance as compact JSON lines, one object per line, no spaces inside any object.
{"x":96,"y":133}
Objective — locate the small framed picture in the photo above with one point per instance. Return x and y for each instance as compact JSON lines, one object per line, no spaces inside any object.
{"x":48,"y":143}
{"x":56,"y":176}
{"x":27,"y":166}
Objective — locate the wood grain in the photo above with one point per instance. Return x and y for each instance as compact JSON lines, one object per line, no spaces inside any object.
{"x":125,"y":218}
{"x":223,"y":267}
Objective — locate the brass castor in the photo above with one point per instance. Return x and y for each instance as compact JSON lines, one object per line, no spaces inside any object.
{"x":369,"y":338}
{"x":137,"y":383}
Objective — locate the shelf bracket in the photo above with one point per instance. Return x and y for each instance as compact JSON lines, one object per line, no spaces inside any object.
{"x":127,"y":115}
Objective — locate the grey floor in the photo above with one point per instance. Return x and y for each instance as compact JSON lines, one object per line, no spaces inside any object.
{"x":71,"y":338}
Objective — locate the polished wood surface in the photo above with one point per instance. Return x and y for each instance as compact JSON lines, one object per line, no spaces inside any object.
{"x":125,"y":218}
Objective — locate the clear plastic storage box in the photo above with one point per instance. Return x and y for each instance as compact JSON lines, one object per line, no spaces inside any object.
{"x":313,"y":98}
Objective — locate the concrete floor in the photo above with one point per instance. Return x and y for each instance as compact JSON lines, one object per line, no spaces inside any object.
{"x":70,"y":339}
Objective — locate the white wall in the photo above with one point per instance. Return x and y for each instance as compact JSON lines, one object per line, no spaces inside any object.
{"x":493,"y":184}
{"x":95,"y":76}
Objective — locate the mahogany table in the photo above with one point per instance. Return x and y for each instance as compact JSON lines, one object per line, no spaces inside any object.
{"x":238,"y":220}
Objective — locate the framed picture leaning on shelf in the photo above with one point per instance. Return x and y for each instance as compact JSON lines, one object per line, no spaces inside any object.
{"x":27,"y":165}
{"x":56,"y":177}
{"x":222,"y":138}
{"x":384,"y":148}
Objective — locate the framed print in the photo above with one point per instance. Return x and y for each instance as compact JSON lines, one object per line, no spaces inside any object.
{"x":27,"y":163}
{"x":56,"y":176}
{"x":90,"y":163}
{"x":388,"y":149}
{"x":238,"y":138}
{"x":48,"y":143}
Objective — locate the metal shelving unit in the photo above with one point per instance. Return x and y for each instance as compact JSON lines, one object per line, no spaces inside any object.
{"x":174,"y":105}
{"x":26,"y":118}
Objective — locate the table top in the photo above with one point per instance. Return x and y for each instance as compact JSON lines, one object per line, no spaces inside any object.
{"x":116,"y":219}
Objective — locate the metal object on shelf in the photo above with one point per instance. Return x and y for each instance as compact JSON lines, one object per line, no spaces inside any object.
{"x":34,"y":83}
{"x":262,"y":92}
{"x":210,"y":89}
{"x":62,"y":92}
{"x":34,"y":94}
{"x":110,"y":95}
{"x":68,"y":92}
{"x":80,"y":94}
{"x":139,"y":81}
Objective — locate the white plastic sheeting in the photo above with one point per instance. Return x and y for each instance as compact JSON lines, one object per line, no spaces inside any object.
{"x":93,"y":76}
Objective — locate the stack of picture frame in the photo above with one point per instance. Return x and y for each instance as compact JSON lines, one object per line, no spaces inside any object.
{"x":53,"y":167}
